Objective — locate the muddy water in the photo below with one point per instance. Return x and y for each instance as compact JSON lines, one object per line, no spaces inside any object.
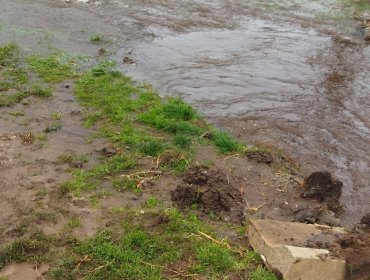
{"x":270,"y":72}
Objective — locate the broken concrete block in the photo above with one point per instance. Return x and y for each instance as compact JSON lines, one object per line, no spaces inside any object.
{"x":283,"y":248}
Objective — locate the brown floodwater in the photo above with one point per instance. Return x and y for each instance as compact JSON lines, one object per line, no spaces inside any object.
{"x":290,"y":74}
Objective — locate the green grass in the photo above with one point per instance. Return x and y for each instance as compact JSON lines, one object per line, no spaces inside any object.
{"x":8,"y":54}
{"x":11,"y":99}
{"x":74,"y":222}
{"x":56,"y":116}
{"x":133,"y":251}
{"x":40,"y":91}
{"x":52,"y":69}
{"x":17,"y":113}
{"x":152,"y":202}
{"x":96,"y":38}
{"x":226,"y":143}
{"x":124,"y":184}
{"x":262,"y":274}
{"x":152,"y":147}
{"x":88,"y":180}
{"x":24,"y":249}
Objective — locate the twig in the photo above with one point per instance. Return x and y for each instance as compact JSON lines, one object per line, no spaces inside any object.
{"x":99,"y":267}
{"x":158,"y":162}
{"x":255,"y":209}
{"x":220,"y":243}
{"x":177,"y":273}
{"x":236,"y":155}
{"x":37,"y":271}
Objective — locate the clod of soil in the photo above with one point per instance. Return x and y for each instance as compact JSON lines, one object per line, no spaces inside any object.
{"x":355,"y":247}
{"x":366,"y":220}
{"x":261,"y":157}
{"x":211,"y":190}
{"x":321,"y":186}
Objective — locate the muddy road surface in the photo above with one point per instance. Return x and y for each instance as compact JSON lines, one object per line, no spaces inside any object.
{"x":288,"y":74}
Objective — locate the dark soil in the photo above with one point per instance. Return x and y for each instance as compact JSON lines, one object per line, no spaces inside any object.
{"x":211,"y":191}
{"x":366,"y":220}
{"x":355,"y":247}
{"x":322,"y":187}
{"x":261,"y":157}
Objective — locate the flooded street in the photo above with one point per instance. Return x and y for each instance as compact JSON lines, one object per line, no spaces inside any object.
{"x":274,"y":73}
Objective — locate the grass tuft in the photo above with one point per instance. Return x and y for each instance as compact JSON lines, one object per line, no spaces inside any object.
{"x":52,"y":69}
{"x":8,"y":54}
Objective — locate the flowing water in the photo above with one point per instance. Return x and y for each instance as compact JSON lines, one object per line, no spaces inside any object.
{"x":291,"y":74}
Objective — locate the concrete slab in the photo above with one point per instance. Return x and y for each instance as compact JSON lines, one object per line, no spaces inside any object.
{"x":283,"y":246}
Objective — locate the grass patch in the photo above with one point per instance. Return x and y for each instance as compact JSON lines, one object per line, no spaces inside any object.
{"x":17,"y":114}
{"x":40,"y":91}
{"x":87,"y":180}
{"x":124,"y":184}
{"x":96,"y":38}
{"x":52,"y":69}
{"x":9,"y":54}
{"x":133,"y":251}
{"x":74,"y":222}
{"x":152,"y":147}
{"x":226,"y":143}
{"x":56,"y":116}
{"x":24,"y":249}
{"x":11,"y":99}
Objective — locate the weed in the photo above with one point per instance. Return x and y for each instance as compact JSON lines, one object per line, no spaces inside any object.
{"x":17,"y":113}
{"x":41,"y":192}
{"x":96,"y":38}
{"x":175,"y":159}
{"x":74,"y":222}
{"x":152,"y":202}
{"x":56,"y":116}
{"x":48,"y":217}
{"x":52,"y":128}
{"x":41,"y":137}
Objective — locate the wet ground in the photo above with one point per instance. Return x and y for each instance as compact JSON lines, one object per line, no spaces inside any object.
{"x":280,"y":74}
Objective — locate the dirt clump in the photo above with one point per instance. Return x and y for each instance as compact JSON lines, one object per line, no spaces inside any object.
{"x":261,"y":157}
{"x":211,"y":191}
{"x":355,"y":248}
{"x":366,"y":220}
{"x":322,"y":187}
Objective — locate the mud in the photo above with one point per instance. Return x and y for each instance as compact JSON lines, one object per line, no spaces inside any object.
{"x":290,"y":74}
{"x":321,"y":186}
{"x":211,"y":191}
{"x":355,"y":247}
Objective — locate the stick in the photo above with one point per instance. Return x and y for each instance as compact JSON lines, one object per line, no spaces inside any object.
{"x":220,"y":243}
{"x":42,"y":277}
{"x":236,"y":155}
